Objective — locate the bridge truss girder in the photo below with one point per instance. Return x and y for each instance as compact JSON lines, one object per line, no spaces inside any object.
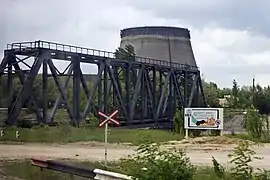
{"x":143,"y":92}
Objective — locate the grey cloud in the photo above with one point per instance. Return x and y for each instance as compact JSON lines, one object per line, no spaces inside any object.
{"x":239,"y":69}
{"x":65,"y":21}
{"x":237,"y":14}
{"x":223,"y":75}
{"x":97,"y":24}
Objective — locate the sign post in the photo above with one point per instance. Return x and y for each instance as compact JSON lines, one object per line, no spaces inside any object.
{"x":106,"y":121}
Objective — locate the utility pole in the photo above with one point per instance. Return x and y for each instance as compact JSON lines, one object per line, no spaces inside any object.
{"x":253,"y":90}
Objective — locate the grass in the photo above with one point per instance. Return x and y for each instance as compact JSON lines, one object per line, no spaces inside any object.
{"x":24,"y":170}
{"x":67,"y":134}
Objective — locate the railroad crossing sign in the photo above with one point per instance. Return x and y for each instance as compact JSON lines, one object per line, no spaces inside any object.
{"x":108,"y":118}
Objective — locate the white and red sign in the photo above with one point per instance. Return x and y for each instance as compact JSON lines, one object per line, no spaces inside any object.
{"x":109,"y":118}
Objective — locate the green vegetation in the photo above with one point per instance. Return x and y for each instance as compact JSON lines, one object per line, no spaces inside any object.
{"x":257,"y":126}
{"x":179,"y":121}
{"x":68,"y":133}
{"x":152,"y":163}
{"x":24,"y":170}
{"x":239,"y":97}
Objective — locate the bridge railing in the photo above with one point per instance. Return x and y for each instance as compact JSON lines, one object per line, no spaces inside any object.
{"x":92,"y":52}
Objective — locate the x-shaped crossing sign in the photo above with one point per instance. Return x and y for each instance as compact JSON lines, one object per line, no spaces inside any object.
{"x":108,"y":118}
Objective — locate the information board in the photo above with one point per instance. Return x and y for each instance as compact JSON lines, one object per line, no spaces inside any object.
{"x":203,"y":118}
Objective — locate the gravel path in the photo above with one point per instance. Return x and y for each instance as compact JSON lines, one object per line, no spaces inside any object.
{"x":200,"y":154}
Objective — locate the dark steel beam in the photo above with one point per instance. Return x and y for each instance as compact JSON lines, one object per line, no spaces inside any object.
{"x":91,"y":94}
{"x":144,"y":91}
{"x":10,"y":85}
{"x":56,"y":103}
{"x":161,"y":99}
{"x":30,"y":94}
{"x":128,"y":89}
{"x":193,"y":89}
{"x":116,"y":88}
{"x":76,"y":91}
{"x":202,"y":92}
{"x":26,"y":90}
{"x":177,"y":89}
{"x":135,"y":95}
{"x":44,"y":91}
{"x":61,"y":90}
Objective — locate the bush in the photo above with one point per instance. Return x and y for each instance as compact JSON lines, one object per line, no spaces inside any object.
{"x":151,"y":163}
{"x":254,"y":123}
{"x":64,"y":127}
{"x":93,"y":120}
{"x":242,"y":156}
{"x":179,"y":121}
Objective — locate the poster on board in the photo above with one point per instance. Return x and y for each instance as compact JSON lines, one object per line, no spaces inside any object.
{"x":203,"y":118}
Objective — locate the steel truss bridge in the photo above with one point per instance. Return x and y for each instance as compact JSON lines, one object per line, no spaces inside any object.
{"x":145,"y":91}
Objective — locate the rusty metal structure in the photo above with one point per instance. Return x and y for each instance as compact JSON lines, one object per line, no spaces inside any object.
{"x":145,"y":91}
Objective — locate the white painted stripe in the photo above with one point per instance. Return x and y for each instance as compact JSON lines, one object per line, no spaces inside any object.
{"x":108,"y":118}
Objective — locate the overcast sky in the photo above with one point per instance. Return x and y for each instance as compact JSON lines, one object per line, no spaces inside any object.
{"x":230,"y":38}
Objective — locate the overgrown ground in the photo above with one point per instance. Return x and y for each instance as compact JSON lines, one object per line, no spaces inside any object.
{"x":24,"y":170}
{"x":69,"y":134}
{"x":66,"y":134}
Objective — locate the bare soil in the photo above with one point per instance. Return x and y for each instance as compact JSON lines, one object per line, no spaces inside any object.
{"x":199,"y":150}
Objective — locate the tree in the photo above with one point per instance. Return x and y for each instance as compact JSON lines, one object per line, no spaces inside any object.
{"x":211,"y":93}
{"x":235,"y":92}
{"x":179,"y":121}
{"x":262,"y":99}
{"x":127,"y":53}
{"x":254,"y":123}
{"x":245,"y":97}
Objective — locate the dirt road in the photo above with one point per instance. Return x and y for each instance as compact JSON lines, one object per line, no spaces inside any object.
{"x":199,"y":154}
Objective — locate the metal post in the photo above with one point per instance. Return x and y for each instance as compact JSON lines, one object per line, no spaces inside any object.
{"x":253,"y":91}
{"x":10,"y":87}
{"x":128,"y":89}
{"x":105,"y":90}
{"x":170,"y":111}
{"x":185,"y":89}
{"x":106,"y":142}
{"x":99,"y":90}
{"x":155,"y":93}
{"x":44,"y":91}
{"x":142,"y":96}
{"x":76,"y":91}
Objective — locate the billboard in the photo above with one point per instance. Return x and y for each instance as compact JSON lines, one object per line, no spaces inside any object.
{"x":203,"y":118}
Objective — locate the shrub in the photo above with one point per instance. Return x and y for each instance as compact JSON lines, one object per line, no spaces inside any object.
{"x":179,"y":121}
{"x":151,"y":163}
{"x":218,"y":169}
{"x":254,"y":123}
{"x":64,"y":127}
{"x":242,"y":156}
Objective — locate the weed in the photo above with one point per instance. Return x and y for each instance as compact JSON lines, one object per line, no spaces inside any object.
{"x":152,"y":163}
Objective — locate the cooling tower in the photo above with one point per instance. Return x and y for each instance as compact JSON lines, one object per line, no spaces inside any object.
{"x":162,"y":43}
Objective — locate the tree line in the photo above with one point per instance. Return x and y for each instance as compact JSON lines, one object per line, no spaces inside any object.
{"x":238,"y":97}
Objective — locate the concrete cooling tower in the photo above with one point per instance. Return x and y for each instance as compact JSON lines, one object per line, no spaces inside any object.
{"x":161,"y":43}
